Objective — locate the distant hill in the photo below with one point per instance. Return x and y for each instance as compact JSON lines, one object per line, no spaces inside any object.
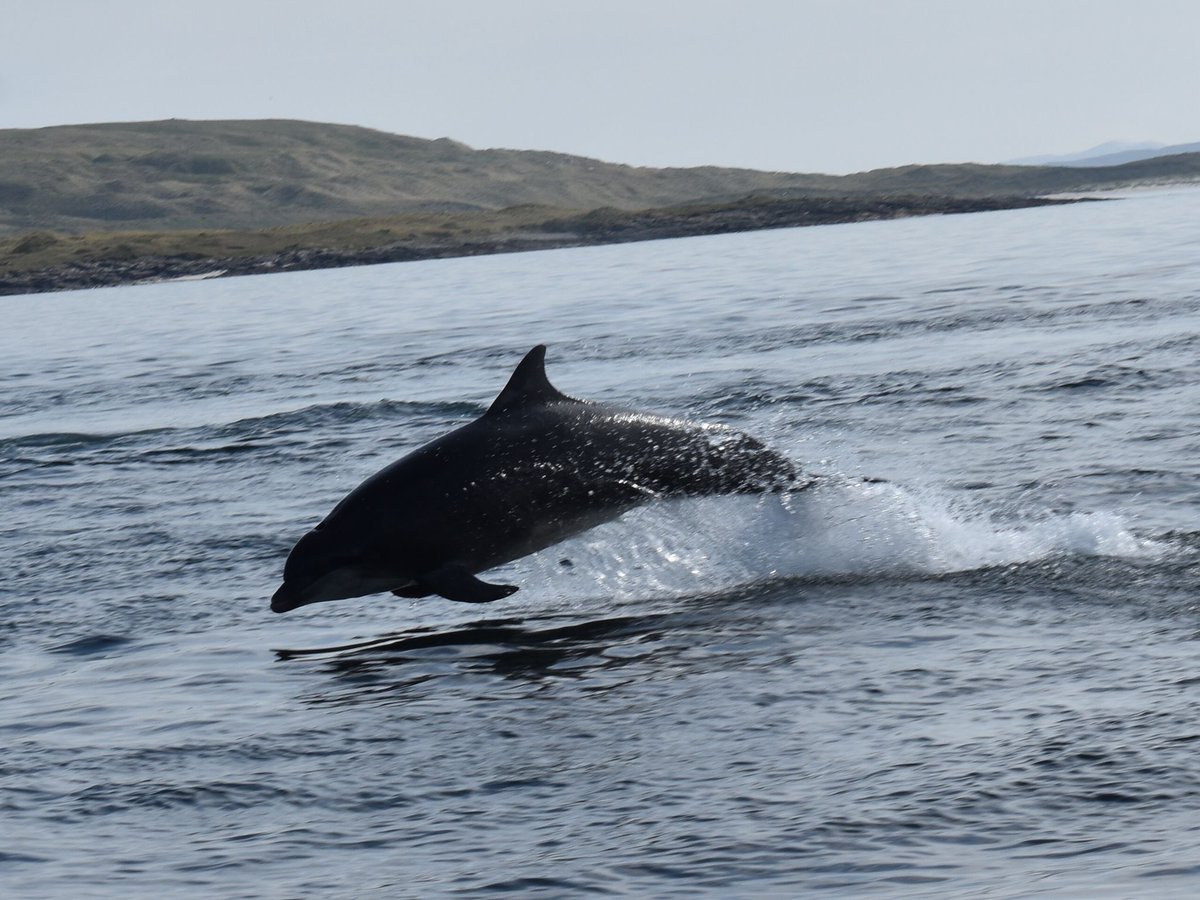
{"x":1128,"y":156}
{"x":252,"y":174}
{"x":1066,"y":159}
{"x":178,"y":174}
{"x":1114,"y":153}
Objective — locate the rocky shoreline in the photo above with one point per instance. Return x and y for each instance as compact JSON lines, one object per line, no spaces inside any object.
{"x":603,"y":226}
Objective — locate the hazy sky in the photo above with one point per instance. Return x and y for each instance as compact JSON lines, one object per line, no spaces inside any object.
{"x":807,"y":85}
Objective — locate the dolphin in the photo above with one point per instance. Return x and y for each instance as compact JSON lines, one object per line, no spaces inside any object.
{"x":537,"y":468}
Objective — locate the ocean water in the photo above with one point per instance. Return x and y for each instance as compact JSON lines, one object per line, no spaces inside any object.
{"x":978,"y":676}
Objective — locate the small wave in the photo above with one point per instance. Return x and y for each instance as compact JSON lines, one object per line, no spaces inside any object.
{"x":107,"y":799}
{"x":7,"y":857}
{"x":239,"y":435}
{"x":65,"y":440}
{"x":1103,"y":377}
{"x":345,"y":413}
{"x":1188,"y":540}
{"x":840,"y":529}
{"x":92,"y":645}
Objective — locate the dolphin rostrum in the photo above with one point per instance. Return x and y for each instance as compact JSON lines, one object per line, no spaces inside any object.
{"x":537,"y":468}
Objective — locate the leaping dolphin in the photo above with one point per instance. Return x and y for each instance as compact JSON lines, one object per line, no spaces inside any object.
{"x":537,"y":468}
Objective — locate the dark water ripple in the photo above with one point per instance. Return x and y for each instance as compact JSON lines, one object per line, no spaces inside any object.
{"x":974,"y":678}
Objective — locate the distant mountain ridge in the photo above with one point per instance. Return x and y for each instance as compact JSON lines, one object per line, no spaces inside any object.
{"x":252,"y":174}
{"x":1113,"y":153}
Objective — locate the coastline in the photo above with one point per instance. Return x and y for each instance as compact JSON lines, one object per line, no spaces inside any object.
{"x":553,"y":231}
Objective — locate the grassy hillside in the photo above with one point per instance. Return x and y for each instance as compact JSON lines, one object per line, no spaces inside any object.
{"x":256,"y":174}
{"x":43,"y":249}
{"x":179,"y":174}
{"x":88,"y":205}
{"x":45,"y":261}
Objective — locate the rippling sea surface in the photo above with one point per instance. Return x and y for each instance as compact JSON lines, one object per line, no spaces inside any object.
{"x":979,"y":676}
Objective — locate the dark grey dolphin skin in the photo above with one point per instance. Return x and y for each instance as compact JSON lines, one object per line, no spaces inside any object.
{"x":535,"y":469}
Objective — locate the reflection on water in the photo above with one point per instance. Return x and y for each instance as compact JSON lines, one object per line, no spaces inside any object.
{"x":510,"y":646}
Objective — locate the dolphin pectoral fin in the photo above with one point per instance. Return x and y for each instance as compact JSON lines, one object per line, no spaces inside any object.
{"x":454,"y":582}
{"x":412,"y":592}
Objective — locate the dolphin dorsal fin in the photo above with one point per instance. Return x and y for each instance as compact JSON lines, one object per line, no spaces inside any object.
{"x":529,"y":385}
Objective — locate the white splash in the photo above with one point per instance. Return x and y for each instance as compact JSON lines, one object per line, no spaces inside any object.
{"x":838,"y":529}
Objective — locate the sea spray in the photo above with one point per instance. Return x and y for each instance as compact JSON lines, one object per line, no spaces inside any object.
{"x":839,"y":529}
